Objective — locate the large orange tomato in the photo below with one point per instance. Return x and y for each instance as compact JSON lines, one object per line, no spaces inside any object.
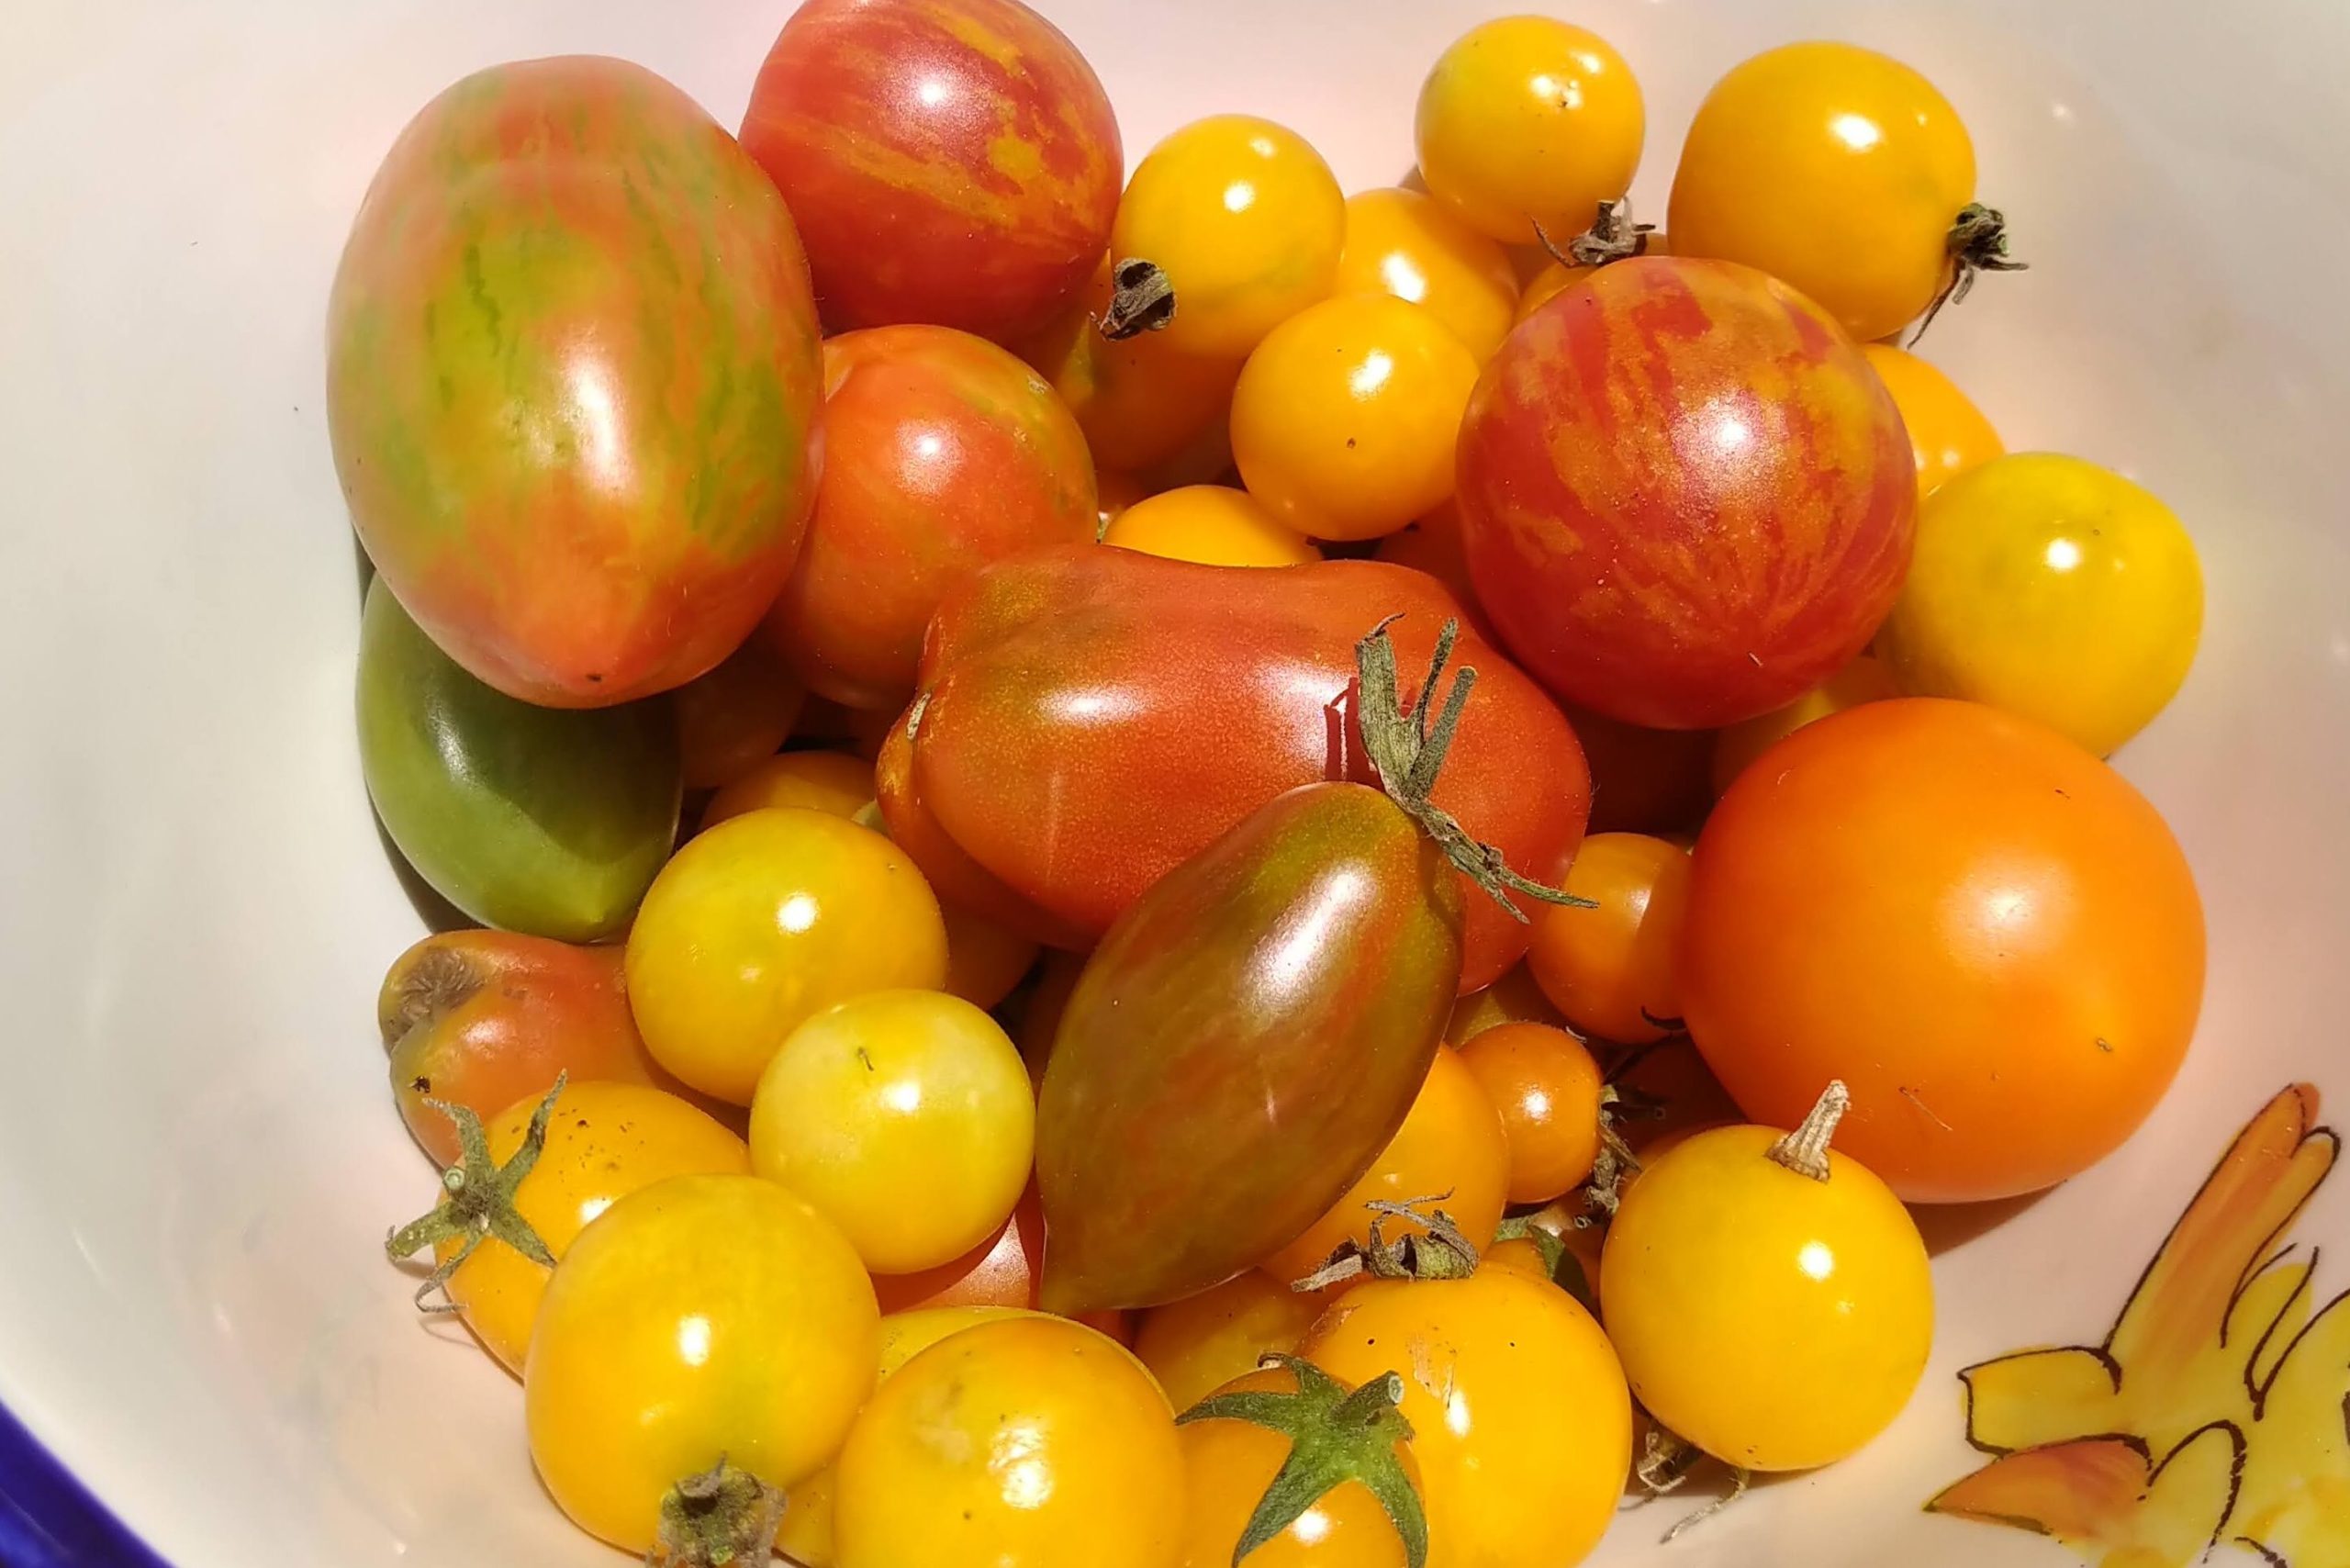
{"x":1981,"y":928}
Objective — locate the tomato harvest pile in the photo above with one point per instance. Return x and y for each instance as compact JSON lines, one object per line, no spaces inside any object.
{"x":1021,"y":749}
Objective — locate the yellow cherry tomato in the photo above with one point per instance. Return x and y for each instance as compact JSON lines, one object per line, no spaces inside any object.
{"x":905,"y":1117}
{"x":1865,"y":680}
{"x":1451,"y":1142}
{"x":1612,"y":971}
{"x":732,"y":719}
{"x":1346,"y":417}
{"x":1556,"y":277}
{"x":832,"y":782}
{"x":1229,"y":1463}
{"x":764,"y":920}
{"x":1196,"y":1346}
{"x":1948,"y":434}
{"x":2053,"y":589}
{"x":1528,"y":121}
{"x":1032,"y":1442}
{"x":1513,"y":999}
{"x":1520,"y":1421}
{"x":603,"y":1142}
{"x":703,"y":1317}
{"x":1402,"y":244}
{"x":1546,"y":1088}
{"x":1835,"y":168}
{"x":1142,"y":400}
{"x":1243,"y":220}
{"x":1211,"y":523}
{"x":1776,"y":1321}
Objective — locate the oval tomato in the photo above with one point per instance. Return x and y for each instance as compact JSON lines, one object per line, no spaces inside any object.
{"x":941,"y":453}
{"x":949,"y":161}
{"x":1979,"y":927}
{"x":1156,"y":703}
{"x":1687,"y":496}
{"x":551,"y":449}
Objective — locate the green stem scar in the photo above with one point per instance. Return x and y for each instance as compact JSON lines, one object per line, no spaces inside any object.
{"x":1978,"y":243}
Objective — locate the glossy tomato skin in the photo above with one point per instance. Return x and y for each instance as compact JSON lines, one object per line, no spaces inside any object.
{"x":941,"y":453}
{"x":1687,"y":496}
{"x":1982,"y":929}
{"x":949,"y":161}
{"x":1142,"y":707}
{"x":1242,"y":1045}
{"x":552,"y":449}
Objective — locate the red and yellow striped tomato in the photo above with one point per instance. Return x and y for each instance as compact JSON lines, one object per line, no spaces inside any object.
{"x":1685,"y":495}
{"x":941,"y":453}
{"x":949,"y":161}
{"x":572,"y":376}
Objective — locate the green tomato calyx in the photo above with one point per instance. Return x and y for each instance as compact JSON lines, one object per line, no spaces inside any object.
{"x":1335,"y":1436}
{"x":1978,"y":245}
{"x":1437,"y":1250}
{"x":478,"y":1201}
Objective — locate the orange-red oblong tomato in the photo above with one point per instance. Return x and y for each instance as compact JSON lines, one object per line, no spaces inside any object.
{"x":941,"y":453}
{"x":947,"y":161}
{"x":1687,"y":496}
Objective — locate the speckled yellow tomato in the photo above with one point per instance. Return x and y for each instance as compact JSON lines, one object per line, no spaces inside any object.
{"x":1865,"y":680}
{"x":1402,"y":243}
{"x":1947,"y":431}
{"x":604,"y":1141}
{"x":2051,"y":588}
{"x":1520,"y":1421}
{"x":1346,"y":417}
{"x":833,"y":782}
{"x":905,"y":1117}
{"x":1242,"y":220}
{"x":1195,"y":1346}
{"x":1032,"y":1442}
{"x":764,"y":920}
{"x":1776,"y":1321}
{"x":1527,"y":121}
{"x":1612,"y":969}
{"x":1214,"y":525}
{"x":701,"y":1318}
{"x":1867,"y":170}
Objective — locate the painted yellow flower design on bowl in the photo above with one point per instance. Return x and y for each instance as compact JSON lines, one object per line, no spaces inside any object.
{"x":2217,"y":1409}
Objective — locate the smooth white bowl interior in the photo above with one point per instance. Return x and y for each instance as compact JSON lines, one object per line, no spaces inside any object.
{"x":198,"y":1154}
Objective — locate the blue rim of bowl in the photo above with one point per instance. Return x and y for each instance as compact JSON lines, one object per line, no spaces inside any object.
{"x":49,"y":1519}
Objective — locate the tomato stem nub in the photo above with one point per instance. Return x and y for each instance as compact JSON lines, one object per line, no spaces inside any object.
{"x":720,"y":1515}
{"x":1408,"y":752}
{"x":1612,"y":236}
{"x":1440,"y":1250}
{"x":1805,"y":1150}
{"x":1335,"y":1436}
{"x":1978,"y":243}
{"x":1142,"y":299}
{"x":478,"y":1201}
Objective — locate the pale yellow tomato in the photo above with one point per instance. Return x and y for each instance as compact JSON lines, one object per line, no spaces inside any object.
{"x":2053,"y":589}
{"x":1402,"y":243}
{"x":1214,"y":525}
{"x":1346,"y":416}
{"x":762,"y":922}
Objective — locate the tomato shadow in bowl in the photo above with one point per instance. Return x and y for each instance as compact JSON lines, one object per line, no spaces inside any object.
{"x":1948,"y":1227}
{"x":437,"y":913}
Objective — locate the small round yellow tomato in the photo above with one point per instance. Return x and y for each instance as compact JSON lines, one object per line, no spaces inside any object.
{"x":1546,"y":1088}
{"x":703,"y":1317}
{"x":1214,"y":525}
{"x":1520,"y":1421}
{"x":1195,"y":1346}
{"x":2053,"y":589}
{"x":905,"y":1117}
{"x":832,"y":782}
{"x":603,"y":1142}
{"x":1033,"y":1441}
{"x":1513,"y":999}
{"x":1244,"y":222}
{"x":1451,"y":1142}
{"x":1948,"y":433}
{"x":760,"y":923}
{"x":1346,"y":418}
{"x":1402,"y":244}
{"x":1865,"y":680}
{"x":1527,"y":121}
{"x":1140,"y":401}
{"x":1557,"y":276}
{"x":732,"y":719}
{"x":1230,"y":1461}
{"x":1835,"y":168}
{"x":1612,"y":971}
{"x":1775,"y":1321}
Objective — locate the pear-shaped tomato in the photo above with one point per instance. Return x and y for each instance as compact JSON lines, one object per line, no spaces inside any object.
{"x":1091,"y":719}
{"x":572,"y":377}
{"x":524,"y":817}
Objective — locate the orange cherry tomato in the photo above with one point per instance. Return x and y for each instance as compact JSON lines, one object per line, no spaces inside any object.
{"x":1406,"y":245}
{"x":1947,"y":431}
{"x":734,"y":718}
{"x":1213,"y":524}
{"x":1451,"y":1142}
{"x":1547,"y":1089}
{"x":1139,"y":401}
{"x":1865,"y":680}
{"x":1612,"y":969}
{"x":1556,"y":277}
{"x":1195,"y":1346}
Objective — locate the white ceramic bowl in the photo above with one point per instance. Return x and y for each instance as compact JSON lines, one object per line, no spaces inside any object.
{"x":197,"y":1158}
